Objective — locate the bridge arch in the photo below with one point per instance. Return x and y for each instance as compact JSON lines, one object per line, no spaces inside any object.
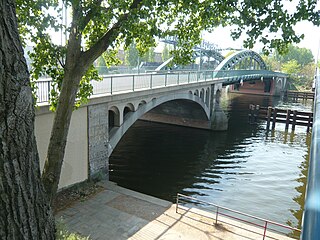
{"x":280,"y":84}
{"x":202,"y":94}
{"x":207,"y":97}
{"x":127,"y":109}
{"x":141,"y":103}
{"x":242,"y":57}
{"x":113,"y":117}
{"x":132,"y":118}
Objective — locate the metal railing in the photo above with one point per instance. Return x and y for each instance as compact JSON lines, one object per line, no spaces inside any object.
{"x":250,"y":223}
{"x":114,"y":84}
{"x":311,"y":215}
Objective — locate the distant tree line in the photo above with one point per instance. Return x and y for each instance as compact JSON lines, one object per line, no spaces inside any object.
{"x":298,"y":63}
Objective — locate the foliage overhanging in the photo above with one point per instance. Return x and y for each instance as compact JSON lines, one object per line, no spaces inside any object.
{"x":114,"y":23}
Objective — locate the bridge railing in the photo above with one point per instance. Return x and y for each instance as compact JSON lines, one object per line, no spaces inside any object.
{"x":120,"y":83}
{"x":259,"y":226}
{"x":311,"y":215}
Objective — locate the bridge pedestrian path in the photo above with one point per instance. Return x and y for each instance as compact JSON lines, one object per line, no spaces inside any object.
{"x":117,"y":213}
{"x":125,"y":83}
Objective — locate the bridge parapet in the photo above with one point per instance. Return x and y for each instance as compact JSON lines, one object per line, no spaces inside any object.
{"x":311,"y":215}
{"x":124,"y":83}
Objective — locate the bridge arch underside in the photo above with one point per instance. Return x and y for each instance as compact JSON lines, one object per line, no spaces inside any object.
{"x":264,"y":83}
{"x":179,"y":109}
{"x":178,"y":112}
{"x":254,"y":84}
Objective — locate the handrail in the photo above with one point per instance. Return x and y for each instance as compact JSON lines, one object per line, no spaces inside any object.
{"x":311,"y":215}
{"x":119,"y":83}
{"x":265,"y":226}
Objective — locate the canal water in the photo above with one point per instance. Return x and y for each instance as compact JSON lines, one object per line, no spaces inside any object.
{"x":245,"y":168}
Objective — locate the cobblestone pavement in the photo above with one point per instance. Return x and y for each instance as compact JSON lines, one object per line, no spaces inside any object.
{"x":117,"y":213}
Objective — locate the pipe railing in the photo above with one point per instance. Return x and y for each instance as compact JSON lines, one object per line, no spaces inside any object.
{"x":265,"y":225}
{"x":311,"y":215}
{"x":120,"y":83}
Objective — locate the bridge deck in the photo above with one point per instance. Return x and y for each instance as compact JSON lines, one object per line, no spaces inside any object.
{"x":124,"y":83}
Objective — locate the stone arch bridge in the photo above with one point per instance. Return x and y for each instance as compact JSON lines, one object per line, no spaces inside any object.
{"x":183,"y":98}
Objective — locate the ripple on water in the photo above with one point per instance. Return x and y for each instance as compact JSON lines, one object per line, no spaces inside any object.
{"x":245,"y":168}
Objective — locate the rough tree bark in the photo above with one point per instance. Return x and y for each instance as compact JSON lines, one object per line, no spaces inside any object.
{"x":25,"y":212}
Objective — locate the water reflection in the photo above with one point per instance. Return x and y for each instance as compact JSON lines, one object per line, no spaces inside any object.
{"x":244,"y":168}
{"x":301,"y":189}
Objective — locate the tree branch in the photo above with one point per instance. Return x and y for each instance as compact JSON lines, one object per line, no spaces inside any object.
{"x":90,"y":14}
{"x":61,"y":62}
{"x":104,"y":42}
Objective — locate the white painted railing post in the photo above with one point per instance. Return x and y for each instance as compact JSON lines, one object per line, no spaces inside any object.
{"x":111,"y":80}
{"x":49,"y":90}
{"x":133,"y":83}
{"x":165,"y":79}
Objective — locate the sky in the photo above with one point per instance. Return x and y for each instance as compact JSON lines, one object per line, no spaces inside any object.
{"x":221,"y":37}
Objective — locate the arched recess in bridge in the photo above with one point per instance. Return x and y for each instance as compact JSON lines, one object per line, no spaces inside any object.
{"x":279,"y":85}
{"x":202,"y":94}
{"x":127,"y":109}
{"x":145,"y":107}
{"x":113,"y":117}
{"x":142,"y":103}
{"x":207,"y":97}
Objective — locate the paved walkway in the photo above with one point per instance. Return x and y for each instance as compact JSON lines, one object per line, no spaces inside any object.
{"x":117,"y":213}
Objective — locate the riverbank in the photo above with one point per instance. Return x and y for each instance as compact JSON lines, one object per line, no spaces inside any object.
{"x":117,"y":213}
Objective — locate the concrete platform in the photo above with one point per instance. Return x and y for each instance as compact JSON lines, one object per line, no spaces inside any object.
{"x":117,"y":213}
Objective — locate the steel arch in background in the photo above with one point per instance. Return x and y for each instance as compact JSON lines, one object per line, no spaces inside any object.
{"x":204,"y":49}
{"x":237,"y":57}
{"x":212,"y":53}
{"x":209,"y":53}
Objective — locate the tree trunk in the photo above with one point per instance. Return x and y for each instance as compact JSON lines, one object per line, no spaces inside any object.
{"x":77,"y":63}
{"x":74,"y":70}
{"x":24,"y":210}
{"x":59,"y":133}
